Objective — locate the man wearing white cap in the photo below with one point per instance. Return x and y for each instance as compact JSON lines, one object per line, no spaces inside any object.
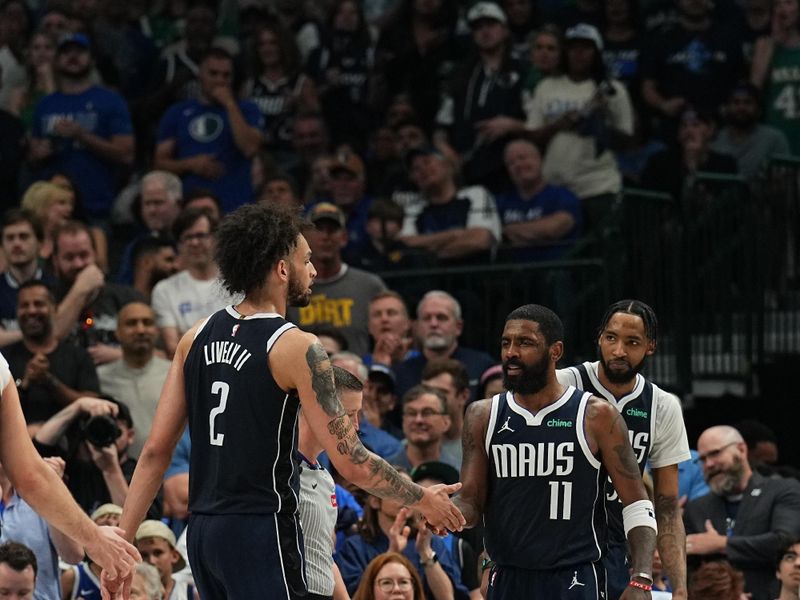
{"x":580,"y":117}
{"x":484,"y":101}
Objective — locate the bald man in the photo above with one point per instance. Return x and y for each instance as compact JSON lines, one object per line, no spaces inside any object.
{"x":136,"y":378}
{"x":746,"y":518}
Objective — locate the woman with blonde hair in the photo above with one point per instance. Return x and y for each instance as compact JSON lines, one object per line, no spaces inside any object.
{"x":53,"y":203}
{"x":387,"y":572}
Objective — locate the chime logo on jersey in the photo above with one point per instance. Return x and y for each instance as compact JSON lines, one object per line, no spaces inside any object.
{"x":234,"y":330}
{"x":636,"y":412}
{"x":533,"y":460}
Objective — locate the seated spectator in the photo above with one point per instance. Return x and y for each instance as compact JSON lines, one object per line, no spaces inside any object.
{"x":332,"y":340}
{"x":206,"y":199}
{"x":408,"y":134}
{"x":523,"y":18}
{"x":744,"y":137}
{"x":383,"y":249}
{"x":544,"y":55}
{"x":581,"y":116}
{"x":763,"y":452}
{"x":20,"y":240}
{"x":483,"y":102}
{"x":161,"y":195}
{"x":788,"y":570}
{"x":453,"y":224}
{"x":154,"y":259}
{"x":623,"y":46}
{"x":85,"y":298}
{"x":278,"y":87}
{"x":348,"y":192}
{"x":425,"y":421}
{"x":220,"y":157}
{"x":380,"y":400}
{"x":390,"y":330}
{"x":389,"y":527}
{"x":451,"y":378}
{"x":82,"y":130}
{"x":279,"y":189}
{"x":438,"y":327}
{"x":83,"y":580}
{"x":667,"y":171}
{"x":194,"y":293}
{"x":40,"y":80}
{"x":342,"y":66}
{"x":53,"y":205}
{"x":491,"y":382}
{"x":310,"y":141}
{"x":774,"y":70}
{"x":717,"y":580}
{"x":146,"y":583}
{"x":746,"y":516}
{"x":540,"y":221}
{"x":21,"y":524}
{"x":97,"y":434}
{"x":386,"y":572}
{"x":341,"y":293}
{"x":136,"y":379}
{"x":18,"y":570}
{"x":50,"y":373}
{"x":431,"y":473}
{"x":156,"y":543}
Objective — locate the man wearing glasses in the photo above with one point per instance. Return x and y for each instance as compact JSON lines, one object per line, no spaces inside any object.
{"x":194,"y":293}
{"x":746,"y":518}
{"x":425,"y":422}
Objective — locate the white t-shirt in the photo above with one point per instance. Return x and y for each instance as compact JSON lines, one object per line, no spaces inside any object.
{"x":669,"y":444}
{"x":482,"y":212}
{"x":181,"y":300}
{"x":571,"y":160}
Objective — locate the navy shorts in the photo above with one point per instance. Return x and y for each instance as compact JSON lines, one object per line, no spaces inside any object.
{"x":618,"y":572}
{"x":241,"y":557}
{"x":585,"y":581}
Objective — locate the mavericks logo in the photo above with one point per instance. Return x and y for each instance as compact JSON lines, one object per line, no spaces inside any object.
{"x":635,"y":412}
{"x":559,"y":423}
{"x":205,"y":127}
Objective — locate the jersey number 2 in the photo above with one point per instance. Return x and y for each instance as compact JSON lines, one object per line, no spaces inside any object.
{"x":566,"y":500}
{"x":221,"y":388}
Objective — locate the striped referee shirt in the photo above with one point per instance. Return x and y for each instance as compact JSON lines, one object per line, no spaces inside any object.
{"x":318,"y":518}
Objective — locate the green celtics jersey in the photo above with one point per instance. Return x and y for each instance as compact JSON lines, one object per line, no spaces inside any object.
{"x":783,"y":94}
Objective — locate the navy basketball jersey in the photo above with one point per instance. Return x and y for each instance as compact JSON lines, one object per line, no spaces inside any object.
{"x":638,"y":410}
{"x":276,"y":101}
{"x":86,"y":585}
{"x":545,"y":498}
{"x":243,"y":426}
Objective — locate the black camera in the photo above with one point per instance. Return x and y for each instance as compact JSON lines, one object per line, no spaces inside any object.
{"x":101,"y":430}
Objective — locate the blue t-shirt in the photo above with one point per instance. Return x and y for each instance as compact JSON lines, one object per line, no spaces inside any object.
{"x":513,"y":208}
{"x":99,"y":111}
{"x":199,"y":128}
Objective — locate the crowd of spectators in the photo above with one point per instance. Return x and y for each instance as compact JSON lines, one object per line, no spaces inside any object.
{"x":413,"y":134}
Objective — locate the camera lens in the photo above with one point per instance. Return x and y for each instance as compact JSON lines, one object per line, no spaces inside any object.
{"x":101,"y":430}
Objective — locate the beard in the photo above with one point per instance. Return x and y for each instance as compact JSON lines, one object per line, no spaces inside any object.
{"x":297,"y":294}
{"x":728,"y":484}
{"x":531,"y":379}
{"x":438,"y":341}
{"x":36,"y":330}
{"x":620,"y":377}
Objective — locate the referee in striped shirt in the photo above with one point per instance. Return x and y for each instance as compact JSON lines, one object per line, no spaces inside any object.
{"x":318,"y":498}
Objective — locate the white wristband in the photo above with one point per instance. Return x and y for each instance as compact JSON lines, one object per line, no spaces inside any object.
{"x":639,"y":514}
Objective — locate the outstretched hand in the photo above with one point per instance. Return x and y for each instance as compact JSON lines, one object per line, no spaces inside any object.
{"x":117,"y":557}
{"x":438,"y":510}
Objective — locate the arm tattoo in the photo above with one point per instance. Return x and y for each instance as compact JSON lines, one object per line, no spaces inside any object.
{"x":386,"y":482}
{"x":642,"y":542}
{"x":348,"y":442}
{"x":671,"y":540}
{"x":322,"y":380}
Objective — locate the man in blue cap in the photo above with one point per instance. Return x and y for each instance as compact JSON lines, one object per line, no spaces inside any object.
{"x":82,"y":130}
